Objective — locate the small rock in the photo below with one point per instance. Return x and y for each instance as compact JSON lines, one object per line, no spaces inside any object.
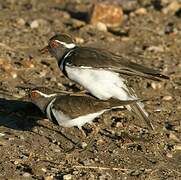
{"x":14,"y":74}
{"x":83,"y":145}
{"x":1,"y":61}
{"x":22,"y":92}
{"x":16,"y":162}
{"x":26,"y":174}
{"x":105,"y":176}
{"x":49,"y":178}
{"x":179,"y":107}
{"x":155,"y":49}
{"x":57,"y":150}
{"x":44,"y":169}
{"x":22,"y":137}
{"x":3,"y":143}
{"x":141,"y":11}
{"x":101,"y":27}
{"x":155,"y":85}
{"x":178,"y":147}
{"x":29,"y":64}
{"x":79,"y":40}
{"x":7,"y":67}
{"x":119,"y":125}
{"x":75,"y":172}
{"x":43,"y":73}
{"x":172,"y":7}
{"x":11,"y":139}
{"x":34,"y":24}
{"x":21,"y":21}
{"x":77,"y":24}
{"x":172,"y":136}
{"x":169,"y":155}
{"x":67,"y":177}
{"x":110,"y":15}
{"x":87,"y":162}
{"x":167,"y":98}
{"x":2,"y":134}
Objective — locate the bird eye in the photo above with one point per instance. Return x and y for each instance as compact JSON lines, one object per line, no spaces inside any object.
{"x":54,"y":44}
{"x":34,"y":94}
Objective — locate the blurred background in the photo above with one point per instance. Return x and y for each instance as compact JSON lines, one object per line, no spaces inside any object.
{"x":145,"y":31}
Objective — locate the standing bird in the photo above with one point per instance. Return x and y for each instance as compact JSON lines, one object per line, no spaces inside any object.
{"x":100,"y":72}
{"x":70,"y":110}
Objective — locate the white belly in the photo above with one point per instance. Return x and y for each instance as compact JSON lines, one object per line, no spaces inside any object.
{"x":103,"y":84}
{"x":65,"y":121}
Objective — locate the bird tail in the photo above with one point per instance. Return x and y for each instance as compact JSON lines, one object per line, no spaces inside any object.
{"x":138,"y":109}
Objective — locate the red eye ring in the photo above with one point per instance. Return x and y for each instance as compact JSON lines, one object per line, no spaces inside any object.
{"x":33,"y":94}
{"x":54,"y":44}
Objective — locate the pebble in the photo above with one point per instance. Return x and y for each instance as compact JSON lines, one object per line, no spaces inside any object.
{"x":67,"y":177}
{"x":75,"y":172}
{"x":22,"y":92}
{"x":34,"y":24}
{"x":22,"y":137}
{"x":109,"y":14}
{"x":26,"y":174}
{"x":141,"y":11}
{"x":21,"y":21}
{"x":167,"y":98}
{"x":57,"y":150}
{"x":155,"y":85}
{"x":119,"y":125}
{"x":44,"y":169}
{"x":83,"y":145}
{"x":14,"y":74}
{"x":178,"y":147}
{"x":1,"y":61}
{"x":158,"y":110}
{"x":101,"y":27}
{"x":105,"y":176}
{"x":179,"y":107}
{"x":29,"y":64}
{"x":172,"y":7}
{"x":87,"y":162}
{"x":172,"y":136}
{"x":49,"y":178}
{"x":169,"y":155}
{"x":16,"y":162}
{"x":79,"y":40}
{"x":43,"y":73}
{"x":2,"y":134}
{"x":155,"y":49}
{"x":10,"y":139}
{"x":77,"y":24}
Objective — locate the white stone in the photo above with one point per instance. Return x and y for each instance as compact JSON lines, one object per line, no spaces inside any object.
{"x":101,"y":27}
{"x":34,"y":24}
{"x":67,"y":177}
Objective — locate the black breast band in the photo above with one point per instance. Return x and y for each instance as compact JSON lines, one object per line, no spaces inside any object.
{"x":64,"y":61}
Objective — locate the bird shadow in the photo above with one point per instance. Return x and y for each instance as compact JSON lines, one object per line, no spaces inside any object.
{"x":18,"y":115}
{"x":23,"y":116}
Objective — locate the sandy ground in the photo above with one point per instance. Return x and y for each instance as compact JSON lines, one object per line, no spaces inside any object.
{"x":31,"y":147}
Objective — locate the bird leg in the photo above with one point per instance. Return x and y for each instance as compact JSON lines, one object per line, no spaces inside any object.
{"x":94,"y":132}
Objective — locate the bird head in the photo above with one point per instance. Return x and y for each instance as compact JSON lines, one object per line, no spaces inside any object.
{"x":40,"y":99}
{"x":58,"y":45}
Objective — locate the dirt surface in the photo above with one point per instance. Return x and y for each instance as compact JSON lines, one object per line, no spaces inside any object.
{"x":31,"y":147}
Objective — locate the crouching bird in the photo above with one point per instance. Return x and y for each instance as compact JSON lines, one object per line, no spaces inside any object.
{"x":70,"y":110}
{"x":101,"y":72}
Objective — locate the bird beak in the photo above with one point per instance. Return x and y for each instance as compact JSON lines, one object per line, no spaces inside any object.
{"x":44,"y":50}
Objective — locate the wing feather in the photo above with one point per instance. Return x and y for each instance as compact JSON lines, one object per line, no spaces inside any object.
{"x":89,"y":57}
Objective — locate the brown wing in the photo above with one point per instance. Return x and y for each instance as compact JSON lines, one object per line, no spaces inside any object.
{"x":98,"y":58}
{"x":75,"y":106}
